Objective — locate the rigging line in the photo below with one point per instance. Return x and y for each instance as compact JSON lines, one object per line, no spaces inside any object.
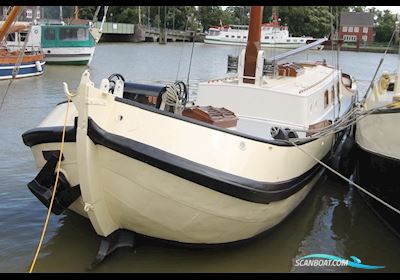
{"x":190,"y":62}
{"x":180,"y":56}
{"x":346,"y":179}
{"x":18,"y":62}
{"x":379,"y":66}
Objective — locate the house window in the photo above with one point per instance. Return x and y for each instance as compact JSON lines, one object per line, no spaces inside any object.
{"x":37,"y":14}
{"x":29,"y":13}
{"x":364,"y":38}
{"x":356,"y":29}
{"x":344,"y":29}
{"x":350,"y":28}
{"x":365,"y":29}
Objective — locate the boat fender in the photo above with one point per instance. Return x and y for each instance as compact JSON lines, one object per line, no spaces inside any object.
{"x":384,"y":82}
{"x":38,"y":66}
{"x":345,"y":156}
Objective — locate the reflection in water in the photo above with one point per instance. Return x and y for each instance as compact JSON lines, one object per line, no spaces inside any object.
{"x":333,"y":219}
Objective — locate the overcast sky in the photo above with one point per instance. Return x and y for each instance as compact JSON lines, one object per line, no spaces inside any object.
{"x":394,"y":9}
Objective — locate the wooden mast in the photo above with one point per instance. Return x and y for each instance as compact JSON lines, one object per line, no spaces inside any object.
{"x":9,"y":20}
{"x":76,"y":12}
{"x":253,"y":43}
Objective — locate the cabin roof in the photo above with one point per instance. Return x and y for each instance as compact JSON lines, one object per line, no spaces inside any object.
{"x":356,"y":19}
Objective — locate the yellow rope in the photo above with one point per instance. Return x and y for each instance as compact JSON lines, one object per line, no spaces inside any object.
{"x":54,"y":191}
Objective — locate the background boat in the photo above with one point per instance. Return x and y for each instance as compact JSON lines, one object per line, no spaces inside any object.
{"x":18,"y":63}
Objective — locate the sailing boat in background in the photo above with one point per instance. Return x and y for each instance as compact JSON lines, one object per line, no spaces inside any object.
{"x":140,"y":157}
{"x":18,"y":63}
{"x":71,"y":43}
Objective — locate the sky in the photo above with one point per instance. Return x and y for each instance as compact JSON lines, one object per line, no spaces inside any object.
{"x":393,"y":9}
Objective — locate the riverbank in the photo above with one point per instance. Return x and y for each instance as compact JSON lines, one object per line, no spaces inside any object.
{"x":371,"y":48}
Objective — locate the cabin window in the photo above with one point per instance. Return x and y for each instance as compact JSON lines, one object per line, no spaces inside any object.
{"x":272,"y":37}
{"x":11,"y":37}
{"x":239,"y":37}
{"x":302,"y":40}
{"x":227,"y":36}
{"x":28,"y":13}
{"x":232,"y":36}
{"x":22,"y":36}
{"x":294,"y":40}
{"x":266,"y":37}
{"x":74,"y":34}
{"x":50,"y":34}
{"x":326,"y":103}
{"x":333,"y":94}
{"x":288,"y":40}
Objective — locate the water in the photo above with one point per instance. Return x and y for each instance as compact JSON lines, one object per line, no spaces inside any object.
{"x":333,"y":219}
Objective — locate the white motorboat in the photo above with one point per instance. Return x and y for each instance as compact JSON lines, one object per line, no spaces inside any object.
{"x":273,"y":35}
{"x":224,"y":169}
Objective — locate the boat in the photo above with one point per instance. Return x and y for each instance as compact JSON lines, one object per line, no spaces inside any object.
{"x":377,"y":140}
{"x":273,"y":35}
{"x":18,"y":63}
{"x":62,"y":43}
{"x":222,"y":169}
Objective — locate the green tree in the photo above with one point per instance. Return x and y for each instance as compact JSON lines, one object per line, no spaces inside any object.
{"x":385,"y":24}
{"x":210,"y":16}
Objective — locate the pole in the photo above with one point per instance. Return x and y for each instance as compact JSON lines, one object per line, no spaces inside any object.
{"x":253,"y":43}
{"x":61,"y":14}
{"x":9,"y":20}
{"x":140,"y":20}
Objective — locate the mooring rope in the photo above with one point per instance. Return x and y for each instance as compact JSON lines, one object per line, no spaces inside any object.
{"x":344,"y":178}
{"x":54,"y":189}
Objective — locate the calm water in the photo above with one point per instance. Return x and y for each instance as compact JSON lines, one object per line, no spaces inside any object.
{"x":332,"y":220}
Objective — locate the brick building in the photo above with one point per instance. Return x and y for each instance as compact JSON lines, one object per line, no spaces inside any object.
{"x":357,"y":27}
{"x":27,"y":13}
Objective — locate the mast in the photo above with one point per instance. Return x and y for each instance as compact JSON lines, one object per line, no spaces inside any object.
{"x":76,"y":12}
{"x":9,"y":20}
{"x":61,"y":14}
{"x":253,"y":43}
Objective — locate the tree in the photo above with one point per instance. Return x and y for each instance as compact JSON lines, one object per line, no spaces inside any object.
{"x":210,"y":16}
{"x":385,"y":24}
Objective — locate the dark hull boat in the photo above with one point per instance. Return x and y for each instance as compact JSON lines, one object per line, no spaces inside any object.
{"x":378,"y":150}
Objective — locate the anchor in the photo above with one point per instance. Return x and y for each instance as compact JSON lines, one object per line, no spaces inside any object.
{"x":43,"y":184}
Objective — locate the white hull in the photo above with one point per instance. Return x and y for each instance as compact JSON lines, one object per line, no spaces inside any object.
{"x":172,"y":177}
{"x":378,"y":133}
{"x":75,"y":54}
{"x":263,"y":45}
